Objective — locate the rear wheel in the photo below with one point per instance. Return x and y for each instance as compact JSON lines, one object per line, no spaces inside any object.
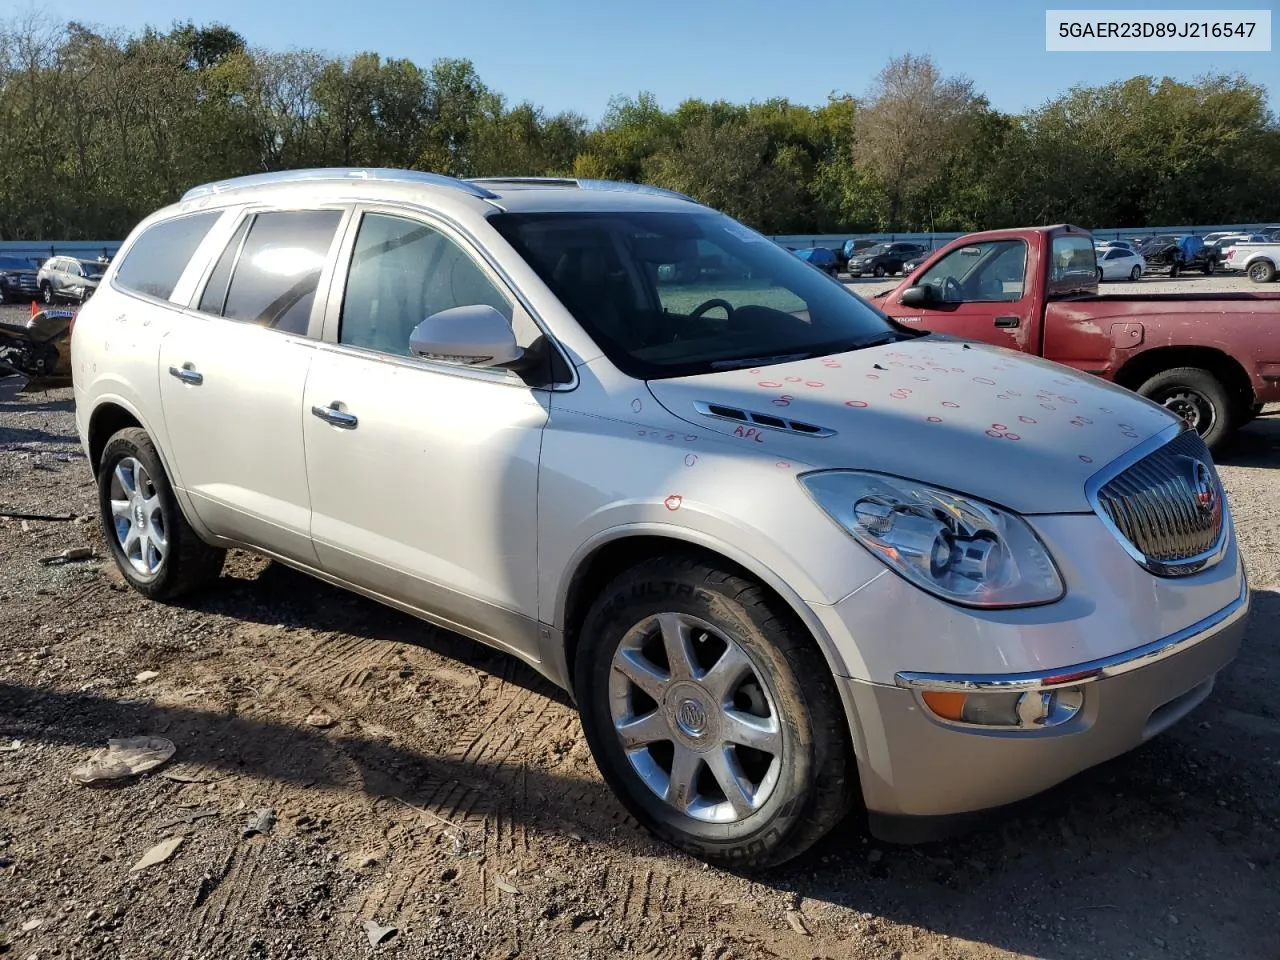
{"x":1135,"y":274}
{"x":1174,"y":270}
{"x":46,"y":293}
{"x":1198,"y":397}
{"x":154,"y":547}
{"x":1100,"y":277}
{"x":1262,"y":271}
{"x":712,"y":715}
{"x":878,"y":271}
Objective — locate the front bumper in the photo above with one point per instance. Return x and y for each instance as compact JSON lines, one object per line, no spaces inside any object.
{"x":917,"y":769}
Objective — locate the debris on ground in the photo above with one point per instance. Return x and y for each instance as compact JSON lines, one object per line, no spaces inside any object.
{"x":188,"y":818}
{"x":377,"y":933}
{"x":13,"y":747}
{"x":262,"y":821}
{"x":70,"y":555}
{"x":796,"y":921}
{"x":146,"y":675}
{"x":158,"y":854}
{"x":32,"y":924}
{"x":126,"y":757}
{"x":506,"y":886}
{"x":320,"y":719}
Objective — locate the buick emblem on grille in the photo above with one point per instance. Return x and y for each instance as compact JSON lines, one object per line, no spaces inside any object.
{"x":1203,"y":488}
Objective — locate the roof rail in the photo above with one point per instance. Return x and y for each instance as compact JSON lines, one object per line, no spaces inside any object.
{"x":618,"y":186}
{"x":319,"y":174}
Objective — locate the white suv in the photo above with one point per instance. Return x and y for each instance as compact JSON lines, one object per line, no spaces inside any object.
{"x":786,"y":553}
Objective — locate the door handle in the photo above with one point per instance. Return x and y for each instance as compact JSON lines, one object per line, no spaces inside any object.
{"x":187,"y":373}
{"x":339,"y":418}
{"x":1008,"y":321}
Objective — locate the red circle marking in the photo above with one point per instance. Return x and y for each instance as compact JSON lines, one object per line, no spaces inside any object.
{"x":1028,"y":419}
{"x":784,"y":465}
{"x":1012,"y":436}
{"x":690,"y":459}
{"x":770,"y":384}
{"x":855,"y":403}
{"x":953,"y":406}
{"x":794,"y":379}
{"x":996,"y":434}
{"x":831,"y":364}
{"x":934,"y":419}
{"x":900,"y":394}
{"x":780,"y":402}
{"x":873,"y":376}
{"x":814,"y":383}
{"x":999,"y":426}
{"x":636,"y":405}
{"x":673,"y":502}
{"x":1085,"y":459}
{"x":987,"y":380}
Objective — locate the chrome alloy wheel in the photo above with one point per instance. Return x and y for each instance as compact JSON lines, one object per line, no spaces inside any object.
{"x":697,"y":722}
{"x":139,"y":521}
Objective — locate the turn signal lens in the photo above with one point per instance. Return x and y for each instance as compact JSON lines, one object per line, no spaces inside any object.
{"x":1030,"y":710}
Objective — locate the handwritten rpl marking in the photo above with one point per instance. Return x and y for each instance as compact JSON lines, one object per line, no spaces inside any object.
{"x":749,"y":433}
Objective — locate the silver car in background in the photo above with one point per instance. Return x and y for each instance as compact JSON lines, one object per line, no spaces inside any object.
{"x":789,"y":556}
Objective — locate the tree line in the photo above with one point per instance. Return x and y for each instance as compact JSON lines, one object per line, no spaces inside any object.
{"x":98,"y":129}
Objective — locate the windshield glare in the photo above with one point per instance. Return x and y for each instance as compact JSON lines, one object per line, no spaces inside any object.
{"x":674,"y":294}
{"x":875,"y":251}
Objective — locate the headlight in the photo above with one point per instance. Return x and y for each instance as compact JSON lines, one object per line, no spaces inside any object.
{"x":955,"y":547}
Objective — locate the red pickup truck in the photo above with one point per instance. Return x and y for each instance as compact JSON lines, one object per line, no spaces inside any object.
{"x":1213,"y":358}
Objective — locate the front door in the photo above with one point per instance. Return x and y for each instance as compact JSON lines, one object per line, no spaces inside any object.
{"x":978,"y":292}
{"x":423,"y":474}
{"x":232,"y":377}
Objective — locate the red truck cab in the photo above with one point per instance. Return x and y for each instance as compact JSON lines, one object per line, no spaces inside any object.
{"x":1212,"y":358}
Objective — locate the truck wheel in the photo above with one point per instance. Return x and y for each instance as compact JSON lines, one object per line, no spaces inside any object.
{"x":1262,"y":271}
{"x":1198,"y":397}
{"x":154,"y":547}
{"x":712,"y":715}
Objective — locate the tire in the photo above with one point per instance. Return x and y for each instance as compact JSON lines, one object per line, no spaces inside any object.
{"x":878,"y":271}
{"x":1100,"y":276}
{"x":186,"y":562}
{"x":1208,"y":269}
{"x":1135,"y":274}
{"x":1262,"y":271}
{"x":1191,"y":390}
{"x":784,"y":682}
{"x":1174,"y":270}
{"x":46,"y":293}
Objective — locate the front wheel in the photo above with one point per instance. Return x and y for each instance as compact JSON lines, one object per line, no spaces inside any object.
{"x":712,"y":715}
{"x":1198,"y":397}
{"x":46,"y":293}
{"x":878,"y":271}
{"x":154,"y":547}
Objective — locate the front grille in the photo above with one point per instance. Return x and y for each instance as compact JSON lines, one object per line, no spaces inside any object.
{"x":1168,"y":506}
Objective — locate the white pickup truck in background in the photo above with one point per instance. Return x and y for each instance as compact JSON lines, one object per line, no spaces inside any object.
{"x":1261,"y":261}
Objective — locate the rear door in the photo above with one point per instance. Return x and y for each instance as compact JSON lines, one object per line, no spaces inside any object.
{"x":979,"y":292}
{"x":232,"y":375}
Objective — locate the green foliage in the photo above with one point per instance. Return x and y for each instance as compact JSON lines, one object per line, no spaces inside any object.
{"x":97,"y":130}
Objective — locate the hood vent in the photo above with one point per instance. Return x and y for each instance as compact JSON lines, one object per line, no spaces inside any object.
{"x":767,"y":420}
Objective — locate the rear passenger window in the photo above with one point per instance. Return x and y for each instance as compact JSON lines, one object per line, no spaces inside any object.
{"x":276,"y":274}
{"x":157,"y":258}
{"x":402,"y":272}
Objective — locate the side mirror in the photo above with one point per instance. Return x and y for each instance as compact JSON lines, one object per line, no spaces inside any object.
{"x":917,"y":296}
{"x":476,"y":334}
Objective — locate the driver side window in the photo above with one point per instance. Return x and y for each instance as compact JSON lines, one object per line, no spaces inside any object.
{"x":993,"y":271}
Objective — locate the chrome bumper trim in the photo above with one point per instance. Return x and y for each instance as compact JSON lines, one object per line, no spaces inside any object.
{"x":1085,"y":672}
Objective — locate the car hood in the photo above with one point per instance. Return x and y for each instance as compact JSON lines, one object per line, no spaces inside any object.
{"x":982,"y":420}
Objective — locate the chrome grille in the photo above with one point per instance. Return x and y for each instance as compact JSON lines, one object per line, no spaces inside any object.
{"x":1168,"y":507}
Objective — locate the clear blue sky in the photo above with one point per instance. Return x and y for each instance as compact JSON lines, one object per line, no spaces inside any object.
{"x":575,"y":54}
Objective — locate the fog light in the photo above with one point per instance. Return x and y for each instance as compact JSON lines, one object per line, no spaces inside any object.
{"x":1029,"y":710}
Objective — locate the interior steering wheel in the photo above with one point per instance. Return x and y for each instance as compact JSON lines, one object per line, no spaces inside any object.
{"x":702,"y":308}
{"x":951,"y":290}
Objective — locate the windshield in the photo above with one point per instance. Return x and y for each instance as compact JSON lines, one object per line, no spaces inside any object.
{"x":875,"y":251}
{"x":674,"y":294}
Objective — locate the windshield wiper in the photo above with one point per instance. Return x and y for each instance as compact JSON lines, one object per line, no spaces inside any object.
{"x":759,"y":361}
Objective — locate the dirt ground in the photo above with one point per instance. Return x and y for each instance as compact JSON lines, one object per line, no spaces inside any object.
{"x":427,"y":784}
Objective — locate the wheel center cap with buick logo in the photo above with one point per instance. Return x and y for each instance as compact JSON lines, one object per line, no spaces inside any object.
{"x":691,"y":717}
